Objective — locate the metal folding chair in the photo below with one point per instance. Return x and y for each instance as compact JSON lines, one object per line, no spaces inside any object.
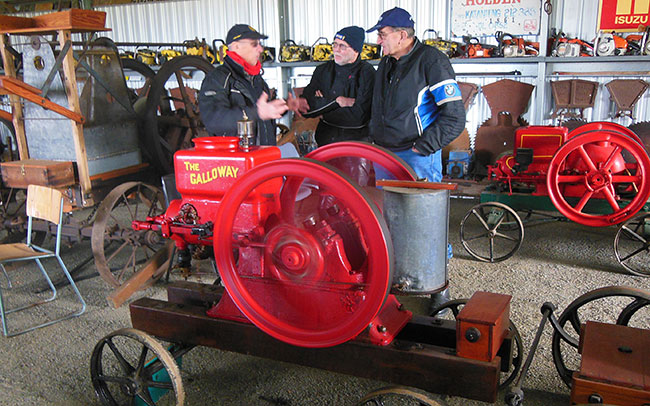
{"x":46,"y":204}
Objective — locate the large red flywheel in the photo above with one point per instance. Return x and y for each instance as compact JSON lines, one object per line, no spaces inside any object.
{"x":599,"y":163}
{"x":300,"y":276}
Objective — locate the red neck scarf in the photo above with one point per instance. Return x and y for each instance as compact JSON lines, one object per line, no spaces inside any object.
{"x":252,"y":70}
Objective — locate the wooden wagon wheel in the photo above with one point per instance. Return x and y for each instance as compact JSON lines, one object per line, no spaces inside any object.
{"x":120,"y":251}
{"x":129,"y":367}
{"x":491,"y":232}
{"x":171,"y":116}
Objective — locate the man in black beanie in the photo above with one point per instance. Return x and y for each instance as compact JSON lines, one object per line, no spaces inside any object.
{"x":340,"y":91}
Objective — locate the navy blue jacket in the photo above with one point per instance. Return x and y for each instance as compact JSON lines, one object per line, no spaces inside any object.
{"x":416,"y":102}
{"x":225,"y":92}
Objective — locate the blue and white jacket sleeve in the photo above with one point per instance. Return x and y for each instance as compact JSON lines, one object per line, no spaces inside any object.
{"x":439,"y":112}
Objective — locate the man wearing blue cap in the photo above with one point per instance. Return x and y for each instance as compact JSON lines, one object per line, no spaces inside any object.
{"x":340,"y":91}
{"x":237,"y":86}
{"x":416,"y":105}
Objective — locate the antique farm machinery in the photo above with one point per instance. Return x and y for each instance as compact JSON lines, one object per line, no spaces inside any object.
{"x":308,"y":264}
{"x":78,"y":128}
{"x":596,"y":175}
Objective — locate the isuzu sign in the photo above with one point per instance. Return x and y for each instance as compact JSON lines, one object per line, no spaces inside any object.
{"x":623,"y":15}
{"x":485,"y":17}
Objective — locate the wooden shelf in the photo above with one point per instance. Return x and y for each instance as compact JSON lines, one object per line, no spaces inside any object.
{"x":73,"y":20}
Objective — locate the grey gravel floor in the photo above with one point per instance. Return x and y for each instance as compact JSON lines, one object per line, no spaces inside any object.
{"x":557,"y":262}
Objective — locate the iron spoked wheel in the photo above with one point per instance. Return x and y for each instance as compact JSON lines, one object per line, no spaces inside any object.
{"x":323,"y":293}
{"x":491,"y":232}
{"x":398,"y":395}
{"x":171,"y":116}
{"x":615,"y":304}
{"x":632,"y":245}
{"x":120,"y":251}
{"x":518,"y":355}
{"x":129,"y":367}
{"x":590,"y":167}
{"x":137,"y":74}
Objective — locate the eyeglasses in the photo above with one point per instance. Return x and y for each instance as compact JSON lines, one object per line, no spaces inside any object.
{"x":383,"y":35}
{"x":254,"y":43}
{"x":340,"y":46}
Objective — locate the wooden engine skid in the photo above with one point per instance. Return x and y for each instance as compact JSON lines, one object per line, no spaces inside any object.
{"x":424,"y":344}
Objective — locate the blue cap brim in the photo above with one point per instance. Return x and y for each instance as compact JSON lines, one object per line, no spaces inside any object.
{"x":376,"y":27}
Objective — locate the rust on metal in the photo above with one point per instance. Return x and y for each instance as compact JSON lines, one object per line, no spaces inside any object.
{"x":468,"y":93}
{"x":571,"y":97}
{"x":509,"y":96}
{"x":625,"y":93}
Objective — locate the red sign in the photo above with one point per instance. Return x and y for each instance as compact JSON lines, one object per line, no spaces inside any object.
{"x":623,"y":15}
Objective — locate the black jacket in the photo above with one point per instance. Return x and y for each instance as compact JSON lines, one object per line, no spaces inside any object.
{"x":416,"y":102}
{"x":227,"y":91}
{"x":355,"y":80}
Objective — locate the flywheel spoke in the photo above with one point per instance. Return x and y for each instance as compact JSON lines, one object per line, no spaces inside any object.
{"x":611,"y":199}
{"x":481,"y":219}
{"x":610,"y":160}
{"x":583,"y":201}
{"x":586,"y":158}
{"x":506,"y":237}
{"x":644,"y":248}
{"x":634,"y":234}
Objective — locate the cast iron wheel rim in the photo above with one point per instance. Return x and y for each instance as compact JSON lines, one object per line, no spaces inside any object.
{"x":570,"y":315}
{"x":403,"y":393}
{"x":135,"y":380}
{"x":635,"y":260}
{"x":391,"y":163}
{"x":599,"y":178}
{"x":598,"y":126}
{"x":169,"y":130}
{"x":125,"y":203}
{"x":143,"y":70}
{"x":373,"y":228}
{"x":508,"y":219}
{"x":455,"y":307}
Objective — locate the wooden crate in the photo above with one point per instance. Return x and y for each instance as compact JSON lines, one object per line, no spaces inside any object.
{"x":615,"y":365}
{"x":482,"y":325}
{"x":20,"y":174}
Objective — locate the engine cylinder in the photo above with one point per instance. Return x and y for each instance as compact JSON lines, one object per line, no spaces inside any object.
{"x":418,"y":221}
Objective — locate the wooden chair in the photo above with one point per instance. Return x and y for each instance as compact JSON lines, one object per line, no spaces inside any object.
{"x":46,"y":204}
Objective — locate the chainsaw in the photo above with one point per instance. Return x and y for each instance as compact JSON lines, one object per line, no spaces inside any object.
{"x":146,"y":56}
{"x":268,"y":55}
{"x":321,"y":51}
{"x":570,"y":47}
{"x":608,"y":44}
{"x":165,"y":55}
{"x":474,"y":49}
{"x":199,"y":48}
{"x":292,"y":52}
{"x":370,"y":51}
{"x":509,"y":45}
{"x":219,"y":46}
{"x":450,"y":48}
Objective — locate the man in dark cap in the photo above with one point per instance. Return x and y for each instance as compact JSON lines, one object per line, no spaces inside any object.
{"x":416,"y":105}
{"x":237,"y":87}
{"x":340,"y":91}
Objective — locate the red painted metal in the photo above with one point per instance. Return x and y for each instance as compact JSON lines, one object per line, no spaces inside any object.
{"x":391,"y":164}
{"x":599,"y":160}
{"x":592,"y":166}
{"x":303,"y":251}
{"x":299,"y":276}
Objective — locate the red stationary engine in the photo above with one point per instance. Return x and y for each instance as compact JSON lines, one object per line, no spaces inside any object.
{"x":303,"y":251}
{"x":597,"y":161}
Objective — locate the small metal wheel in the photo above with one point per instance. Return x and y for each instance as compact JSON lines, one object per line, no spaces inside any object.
{"x":491,"y":232}
{"x":518,"y":351}
{"x":120,"y":251}
{"x":598,"y":305}
{"x":171,"y":116}
{"x":398,"y":395}
{"x":632,"y":245}
{"x":129,"y":367}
